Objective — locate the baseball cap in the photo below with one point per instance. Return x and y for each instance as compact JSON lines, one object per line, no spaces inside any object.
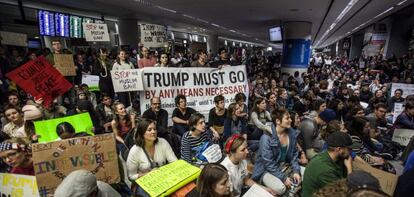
{"x":340,"y":139}
{"x":362,"y":179}
{"x":327,"y":115}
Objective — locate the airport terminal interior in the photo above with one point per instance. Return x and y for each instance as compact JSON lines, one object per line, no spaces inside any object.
{"x":218,"y":98}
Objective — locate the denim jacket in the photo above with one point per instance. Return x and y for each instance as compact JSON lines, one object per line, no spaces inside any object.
{"x":268,"y":156}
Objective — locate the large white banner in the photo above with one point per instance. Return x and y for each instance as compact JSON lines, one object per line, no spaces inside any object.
{"x":153,"y":35}
{"x":127,"y":80}
{"x":199,"y":85}
{"x":407,"y":89}
{"x":95,"y":32}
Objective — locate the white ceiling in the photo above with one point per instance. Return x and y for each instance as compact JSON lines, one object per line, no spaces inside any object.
{"x":243,"y":19}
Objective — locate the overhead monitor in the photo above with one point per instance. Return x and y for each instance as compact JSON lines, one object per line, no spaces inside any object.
{"x":62,"y":24}
{"x":275,"y":34}
{"x":46,"y":23}
{"x":76,"y":27}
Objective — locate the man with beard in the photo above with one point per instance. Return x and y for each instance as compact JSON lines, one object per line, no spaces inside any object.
{"x":329,"y":166}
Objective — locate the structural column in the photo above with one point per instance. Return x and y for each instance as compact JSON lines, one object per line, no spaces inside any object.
{"x":128,"y":32}
{"x":212,"y":43}
{"x":296,"y":46}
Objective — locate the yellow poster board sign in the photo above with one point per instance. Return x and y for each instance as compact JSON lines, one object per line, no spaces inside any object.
{"x":169,"y":178}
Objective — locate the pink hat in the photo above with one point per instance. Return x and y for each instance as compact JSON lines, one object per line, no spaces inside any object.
{"x":31,"y":112}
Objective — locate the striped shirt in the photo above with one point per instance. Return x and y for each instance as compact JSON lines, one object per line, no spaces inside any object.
{"x":188,"y":142}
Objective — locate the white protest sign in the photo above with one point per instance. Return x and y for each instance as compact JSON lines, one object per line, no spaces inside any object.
{"x":398,"y":109}
{"x":256,"y":190}
{"x":92,"y":81}
{"x":361,"y":64}
{"x":213,"y":153}
{"x":17,"y":185}
{"x":153,"y":35}
{"x":15,"y":39}
{"x":199,"y":85}
{"x":127,"y":80}
{"x":402,"y":136}
{"x":95,"y":32}
{"x":407,"y":89}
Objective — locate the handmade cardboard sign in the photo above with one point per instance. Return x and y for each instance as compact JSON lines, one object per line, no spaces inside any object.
{"x":153,"y":35}
{"x":64,"y":64}
{"x":169,"y":178}
{"x":17,"y":185}
{"x":96,"y":32}
{"x":15,"y":39}
{"x":127,"y":80}
{"x":55,"y":160}
{"x":40,"y":79}
{"x":388,"y":181}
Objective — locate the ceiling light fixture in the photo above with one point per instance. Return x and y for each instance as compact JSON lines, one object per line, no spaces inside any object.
{"x":382,"y":13}
{"x":201,"y":20}
{"x":232,"y":31}
{"x":188,"y":16}
{"x":166,"y":9}
{"x":400,"y":3}
{"x":339,"y":18}
{"x":215,"y":25}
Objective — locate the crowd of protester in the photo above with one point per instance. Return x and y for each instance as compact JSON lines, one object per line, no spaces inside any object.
{"x":293,"y":134}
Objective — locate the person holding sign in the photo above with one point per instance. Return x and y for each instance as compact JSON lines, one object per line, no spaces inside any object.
{"x":195,"y":138}
{"x":397,"y":98}
{"x":236,"y":164}
{"x":148,"y":153}
{"x":277,"y":149}
{"x":406,"y":119}
{"x":181,"y":114}
{"x":17,"y":154}
{"x":146,"y":60}
{"x":122,"y":63}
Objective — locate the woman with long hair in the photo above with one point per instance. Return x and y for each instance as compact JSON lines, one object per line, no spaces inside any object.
{"x":122,"y":63}
{"x":164,"y":60}
{"x":122,"y":124}
{"x":149,"y":151}
{"x":213,"y":182}
{"x":235,"y":123}
{"x":259,"y":118}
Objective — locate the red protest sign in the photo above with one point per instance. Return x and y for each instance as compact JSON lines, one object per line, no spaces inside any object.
{"x":40,"y":79}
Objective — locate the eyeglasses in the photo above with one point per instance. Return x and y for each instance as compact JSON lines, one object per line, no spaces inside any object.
{"x":156,"y":103}
{"x":9,"y":155}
